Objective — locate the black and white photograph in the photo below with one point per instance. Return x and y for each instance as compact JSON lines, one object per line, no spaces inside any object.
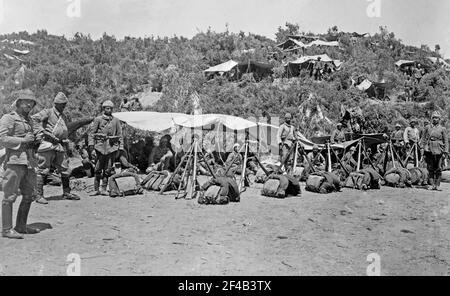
{"x":212,"y":138}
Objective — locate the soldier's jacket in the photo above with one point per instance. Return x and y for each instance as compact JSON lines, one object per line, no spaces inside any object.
{"x":319,"y":160}
{"x":107,"y":126}
{"x":349,"y":160}
{"x":397,"y":137}
{"x":14,"y":127}
{"x":411,"y":134}
{"x":53,"y":122}
{"x":234,"y":159}
{"x":435,"y":140}
{"x":338,"y":136}
{"x":286,"y":134}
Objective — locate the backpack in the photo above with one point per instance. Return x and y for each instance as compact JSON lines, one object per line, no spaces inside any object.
{"x":314,"y":182}
{"x":270,"y":188}
{"x":212,"y":196}
{"x":419,"y":176}
{"x":355,"y":181}
{"x":124,"y":184}
{"x":156,"y":180}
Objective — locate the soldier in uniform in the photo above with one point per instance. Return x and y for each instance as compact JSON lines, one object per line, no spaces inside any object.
{"x":318,"y":68}
{"x":16,"y":134}
{"x":338,"y":135}
{"x":411,"y":136}
{"x":161,"y":157}
{"x":349,"y":161}
{"x":105,"y":137}
{"x":51,"y":129}
{"x":286,"y":136}
{"x":397,"y":139}
{"x":435,"y":146}
{"x":316,"y":159}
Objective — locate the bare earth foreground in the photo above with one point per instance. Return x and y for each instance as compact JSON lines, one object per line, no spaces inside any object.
{"x":311,"y":235}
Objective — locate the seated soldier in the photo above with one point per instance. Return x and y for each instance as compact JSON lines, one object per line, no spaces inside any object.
{"x":316,"y":159}
{"x":348,"y":161}
{"x":234,"y":160}
{"x":161,"y":157}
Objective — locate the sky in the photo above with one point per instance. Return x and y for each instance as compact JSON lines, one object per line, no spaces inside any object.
{"x":416,"y":22}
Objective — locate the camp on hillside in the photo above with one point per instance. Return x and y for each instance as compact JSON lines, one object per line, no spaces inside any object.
{"x":293,"y":68}
{"x":234,"y":70}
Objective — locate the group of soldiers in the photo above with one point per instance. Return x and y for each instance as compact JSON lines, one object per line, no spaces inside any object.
{"x":36,"y":144}
{"x":130,"y":106}
{"x":431,"y":143}
{"x":414,"y":76}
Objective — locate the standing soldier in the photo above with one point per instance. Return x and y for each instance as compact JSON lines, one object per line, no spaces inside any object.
{"x":105,"y":136}
{"x":411,"y":136}
{"x":16,"y":134}
{"x":435,"y":147}
{"x":338,"y":135}
{"x":397,"y":139}
{"x":51,"y":129}
{"x":286,"y":136}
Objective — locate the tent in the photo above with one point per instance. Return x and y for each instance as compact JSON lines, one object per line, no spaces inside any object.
{"x":304,"y":62}
{"x":405,"y":63}
{"x":260,"y":70}
{"x":222,"y":68}
{"x":291,"y":44}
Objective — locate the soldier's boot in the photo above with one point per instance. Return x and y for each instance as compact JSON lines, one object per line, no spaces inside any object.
{"x":437,"y":181}
{"x":66,"y":189}
{"x":7,"y":230}
{"x":96,"y":186}
{"x":39,"y":198}
{"x":22,"y":217}
{"x":431,"y":183}
{"x":103,"y":190}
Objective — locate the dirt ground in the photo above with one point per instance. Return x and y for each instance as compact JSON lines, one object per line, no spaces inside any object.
{"x":310,"y":235}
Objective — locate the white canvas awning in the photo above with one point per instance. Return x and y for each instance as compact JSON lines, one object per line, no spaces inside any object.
{"x":225,"y":67}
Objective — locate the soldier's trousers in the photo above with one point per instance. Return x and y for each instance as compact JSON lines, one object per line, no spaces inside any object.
{"x":434,"y":166}
{"x":57,"y":159}
{"x":16,"y":177}
{"x":104,"y":167}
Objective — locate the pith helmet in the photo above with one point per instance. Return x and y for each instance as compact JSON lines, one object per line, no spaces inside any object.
{"x":108,"y":103}
{"x":60,"y":99}
{"x":25,"y":94}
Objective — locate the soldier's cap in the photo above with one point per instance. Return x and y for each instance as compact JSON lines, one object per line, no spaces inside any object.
{"x":436,"y":114}
{"x":315,"y":147}
{"x":108,"y":103}
{"x":353,"y":148}
{"x":236,"y":146}
{"x":60,"y":99}
{"x":413,"y":120}
{"x":398,"y":125}
{"x":25,"y":94}
{"x":288,"y":116}
{"x":339,"y":124}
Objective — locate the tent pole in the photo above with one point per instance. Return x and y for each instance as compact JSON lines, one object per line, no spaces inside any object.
{"x":392,"y":154}
{"x":329,"y":157}
{"x":194,"y":172}
{"x":359,"y":156}
{"x":244,"y":166}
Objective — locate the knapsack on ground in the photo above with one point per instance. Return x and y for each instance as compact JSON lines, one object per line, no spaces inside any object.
{"x":124,"y":184}
{"x":419,"y":176}
{"x":156,"y":181}
{"x":398,"y":177}
{"x":219,"y":191}
{"x":323,"y":182}
{"x":281,"y":186}
{"x":355,"y":181}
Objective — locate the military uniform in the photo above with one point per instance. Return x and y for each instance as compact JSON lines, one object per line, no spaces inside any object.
{"x":317,"y":160}
{"x":19,"y":165}
{"x":349,"y":162}
{"x":397,"y":141}
{"x":286,"y":139}
{"x":51,"y":129}
{"x":435,"y":145}
{"x":105,"y":135}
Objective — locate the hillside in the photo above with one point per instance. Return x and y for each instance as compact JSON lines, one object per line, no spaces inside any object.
{"x":90,"y":71}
